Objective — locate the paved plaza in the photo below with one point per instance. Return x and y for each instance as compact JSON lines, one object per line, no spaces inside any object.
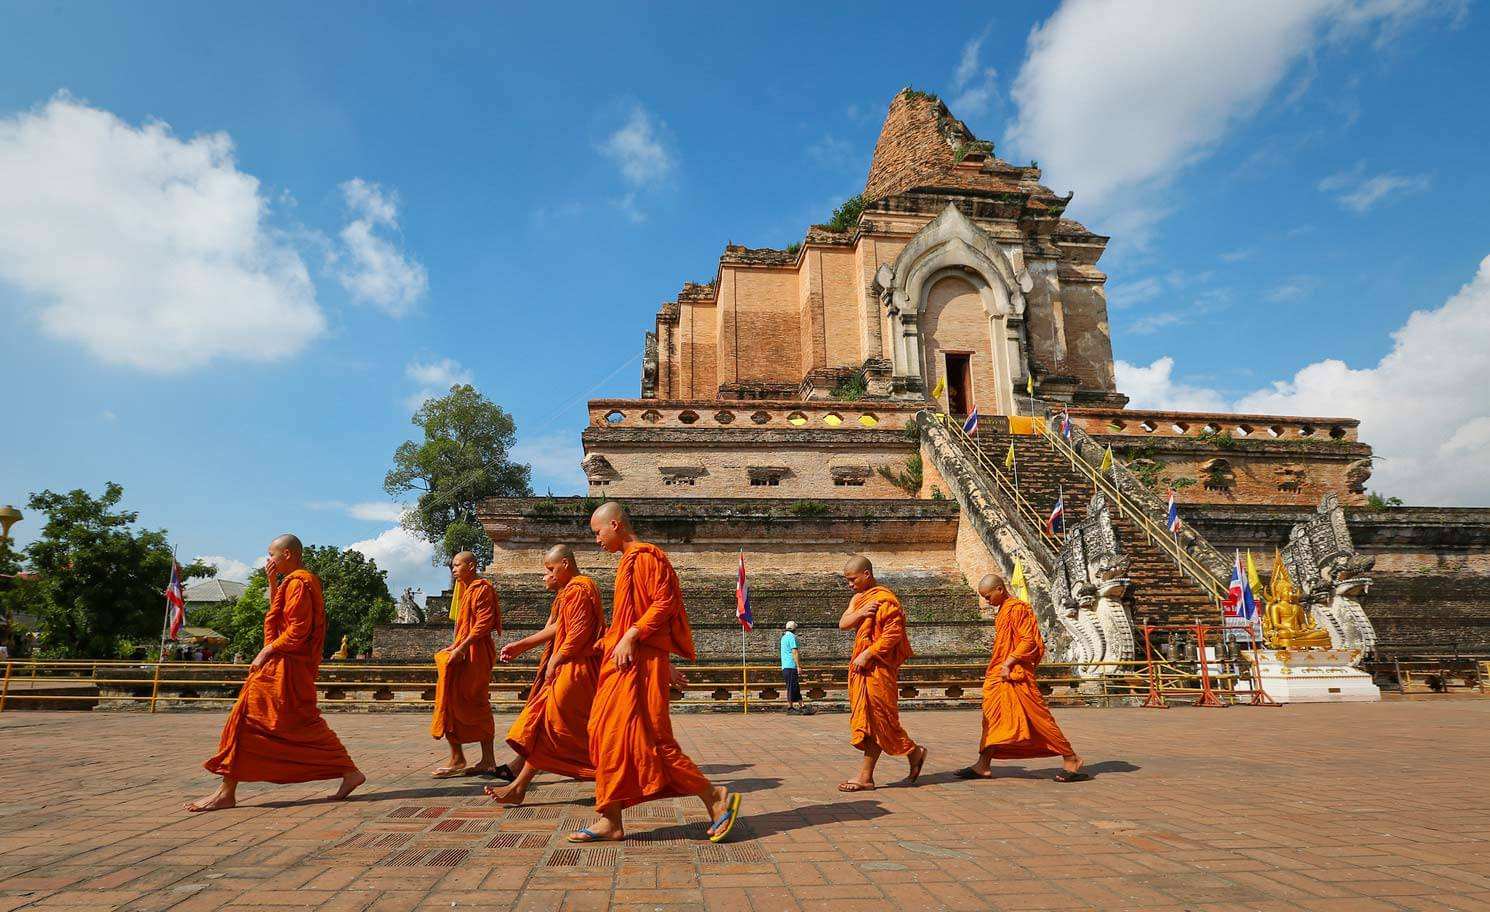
{"x":1352,"y":807}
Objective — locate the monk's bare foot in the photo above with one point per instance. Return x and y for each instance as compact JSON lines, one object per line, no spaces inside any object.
{"x":717,"y":804}
{"x":600,"y":831}
{"x":509,"y":795}
{"x":349,"y":784}
{"x":1071,"y":771}
{"x":1071,"y":763}
{"x":917,"y":760}
{"x":217,"y":801}
{"x":856,"y":785}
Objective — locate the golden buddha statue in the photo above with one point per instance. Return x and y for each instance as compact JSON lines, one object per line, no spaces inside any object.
{"x":1286,"y":624}
{"x":345,"y":652}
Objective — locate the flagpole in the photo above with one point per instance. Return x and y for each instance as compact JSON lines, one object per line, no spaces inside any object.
{"x":165,"y":622}
{"x":744,"y":669}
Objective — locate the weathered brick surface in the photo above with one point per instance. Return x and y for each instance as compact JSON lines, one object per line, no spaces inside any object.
{"x":1314,"y":815}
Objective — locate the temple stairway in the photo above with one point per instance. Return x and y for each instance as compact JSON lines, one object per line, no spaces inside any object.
{"x":1165,"y":595}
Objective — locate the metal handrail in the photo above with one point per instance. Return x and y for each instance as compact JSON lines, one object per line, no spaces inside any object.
{"x":1001,"y":482}
{"x":1160,"y":537}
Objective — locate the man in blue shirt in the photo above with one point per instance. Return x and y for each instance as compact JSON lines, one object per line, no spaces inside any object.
{"x":791,"y":667}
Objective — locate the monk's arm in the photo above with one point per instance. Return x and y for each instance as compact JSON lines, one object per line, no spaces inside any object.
{"x":1026,"y":642}
{"x":484,"y":618}
{"x":853,"y":617}
{"x":298,"y":616}
{"x":578,"y":637}
{"x":659,"y":613}
{"x":518,"y":647}
{"x":891,"y":634}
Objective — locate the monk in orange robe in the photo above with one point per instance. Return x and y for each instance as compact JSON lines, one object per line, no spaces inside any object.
{"x":1016,"y":722}
{"x":552,"y":732}
{"x":636,"y":757}
{"x":881,"y":646}
{"x":275,"y":733}
{"x":463,"y":686}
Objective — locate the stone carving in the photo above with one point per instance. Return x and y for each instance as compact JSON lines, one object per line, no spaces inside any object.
{"x":408,"y":610}
{"x":598,"y":469}
{"x":1093,"y":595}
{"x":1331,"y":576}
{"x":649,"y":367}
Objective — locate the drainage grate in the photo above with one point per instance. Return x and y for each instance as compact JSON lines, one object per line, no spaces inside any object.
{"x":741,"y":853}
{"x":405,"y":811}
{"x":461,"y":826}
{"x":430,"y":813}
{"x":517,"y":841}
{"x":376,"y":841}
{"x":563,"y":858}
{"x":659,"y":811}
{"x":604,"y":857}
{"x":533,"y":813}
{"x":427,"y":858}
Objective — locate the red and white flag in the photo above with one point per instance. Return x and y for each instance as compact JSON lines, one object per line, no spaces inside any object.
{"x":175,"y":601}
{"x":742,"y":597}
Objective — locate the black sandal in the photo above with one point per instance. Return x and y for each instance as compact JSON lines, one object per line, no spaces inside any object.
{"x":1077,"y":776}
{"x":967,"y":772}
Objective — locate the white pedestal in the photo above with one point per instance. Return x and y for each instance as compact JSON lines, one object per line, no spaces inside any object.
{"x":1311,"y":676}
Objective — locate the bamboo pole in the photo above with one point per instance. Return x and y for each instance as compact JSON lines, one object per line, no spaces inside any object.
{"x":5,"y":689}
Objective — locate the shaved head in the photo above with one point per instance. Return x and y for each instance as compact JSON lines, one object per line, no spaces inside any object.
{"x":464,"y":555}
{"x":289,"y":543}
{"x":559,"y":554}
{"x":612,"y":527}
{"x":991,"y":584}
{"x":609,"y":512}
{"x":858,"y":564}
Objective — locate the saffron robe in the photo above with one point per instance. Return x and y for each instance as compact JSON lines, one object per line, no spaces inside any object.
{"x":462,"y":689}
{"x":275,"y":733}
{"x":552,"y":731}
{"x":636,"y":757}
{"x":874,"y":694}
{"x":1016,"y":721}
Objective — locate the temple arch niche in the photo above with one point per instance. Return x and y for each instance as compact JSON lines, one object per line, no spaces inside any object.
{"x":920,"y":316}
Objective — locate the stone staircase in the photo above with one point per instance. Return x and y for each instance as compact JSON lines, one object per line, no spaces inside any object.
{"x":1165,"y":594}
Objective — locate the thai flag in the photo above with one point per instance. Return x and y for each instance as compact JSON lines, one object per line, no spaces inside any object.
{"x":1057,"y":521}
{"x":175,"y":601}
{"x":970,"y":426}
{"x":742,"y":597}
{"x":1239,"y":597}
{"x":1174,"y":515}
{"x":1066,"y":425}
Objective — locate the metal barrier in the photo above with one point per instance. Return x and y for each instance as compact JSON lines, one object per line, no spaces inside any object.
{"x":1001,"y":482}
{"x":163,"y":685}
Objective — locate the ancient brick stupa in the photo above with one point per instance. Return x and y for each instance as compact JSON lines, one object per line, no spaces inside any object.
{"x":789,"y":409}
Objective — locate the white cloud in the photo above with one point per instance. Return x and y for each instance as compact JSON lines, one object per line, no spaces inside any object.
{"x":377,"y":510}
{"x":228,"y":568}
{"x":434,"y":379}
{"x":836,"y":153}
{"x":407,"y":558}
{"x":638,"y":150}
{"x":1422,"y":407}
{"x":371,"y":267}
{"x":975,"y":86}
{"x":1358,"y":192}
{"x":1115,"y":96}
{"x":555,"y":461}
{"x":1139,"y":291}
{"x":148,"y":250}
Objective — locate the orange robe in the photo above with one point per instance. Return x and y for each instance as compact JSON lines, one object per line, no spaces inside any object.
{"x":552,"y":731}
{"x":631,"y":732}
{"x":275,"y":733}
{"x":463,"y":690}
{"x":874,"y":694}
{"x":1016,"y":721}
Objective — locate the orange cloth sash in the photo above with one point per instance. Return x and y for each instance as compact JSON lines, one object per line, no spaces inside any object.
{"x":552,"y":731}
{"x":1016,"y":722}
{"x":463,"y":690}
{"x":874,"y":695}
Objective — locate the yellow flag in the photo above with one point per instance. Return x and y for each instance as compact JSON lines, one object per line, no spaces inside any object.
{"x":1029,"y":384}
{"x":455,"y":601}
{"x":1253,"y":579}
{"x":1016,"y":582}
{"x":1009,"y":459}
{"x":1106,"y":461}
{"x":936,"y":391}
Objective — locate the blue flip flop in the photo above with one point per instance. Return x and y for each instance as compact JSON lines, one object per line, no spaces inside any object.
{"x":586,"y":834}
{"x":726,"y":821}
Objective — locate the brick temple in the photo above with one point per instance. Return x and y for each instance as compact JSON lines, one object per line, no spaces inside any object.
{"x":789,"y":408}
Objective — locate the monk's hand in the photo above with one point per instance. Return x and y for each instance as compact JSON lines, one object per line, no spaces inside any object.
{"x":860,"y":662}
{"x":261,"y":659}
{"x":457,"y":655}
{"x":1003,"y":674}
{"x":625,"y":652}
{"x":509,"y":652}
{"x":676,"y":678}
{"x":550,"y":674}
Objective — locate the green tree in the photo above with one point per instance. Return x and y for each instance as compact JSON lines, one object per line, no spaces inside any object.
{"x":461,"y":461}
{"x":357,"y":600}
{"x":102,"y":580}
{"x":846,"y":217}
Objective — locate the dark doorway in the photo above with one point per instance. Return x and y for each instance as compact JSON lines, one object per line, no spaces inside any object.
{"x":959,"y":384}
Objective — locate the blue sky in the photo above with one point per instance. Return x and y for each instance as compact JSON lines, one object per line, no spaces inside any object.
{"x":236,"y":243}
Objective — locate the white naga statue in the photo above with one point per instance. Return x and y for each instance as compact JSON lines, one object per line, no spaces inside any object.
{"x":1093,"y":595}
{"x":1332,"y":576}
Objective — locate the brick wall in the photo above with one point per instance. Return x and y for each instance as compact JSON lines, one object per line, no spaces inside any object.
{"x":953,"y":320}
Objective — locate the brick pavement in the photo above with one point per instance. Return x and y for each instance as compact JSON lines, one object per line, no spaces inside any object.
{"x":1356,"y":807}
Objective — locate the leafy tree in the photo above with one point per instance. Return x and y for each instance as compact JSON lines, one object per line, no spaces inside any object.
{"x":102,"y":579}
{"x":15,"y":597}
{"x":1378,"y":501}
{"x":461,"y":462}
{"x":357,"y":600}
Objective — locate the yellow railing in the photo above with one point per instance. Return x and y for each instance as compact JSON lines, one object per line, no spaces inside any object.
{"x":1155,"y":533}
{"x":1001,"y":482}
{"x":161,"y":684}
